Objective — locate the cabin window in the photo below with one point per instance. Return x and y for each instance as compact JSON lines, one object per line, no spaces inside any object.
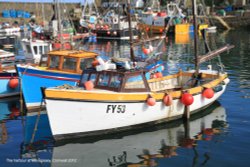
{"x":44,"y":60}
{"x":86,"y":63}
{"x":69,"y":63}
{"x":84,"y":78}
{"x":46,"y":49}
{"x":92,"y":77}
{"x":35,"y":49}
{"x":103,"y":80}
{"x":115,"y":81}
{"x":134,"y":82}
{"x":54,"y":62}
{"x":28,"y":48}
{"x":40,"y":50}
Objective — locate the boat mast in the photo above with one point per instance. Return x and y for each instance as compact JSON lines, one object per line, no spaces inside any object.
{"x":194,"y":8}
{"x":132,"y":56}
{"x":58,"y":14}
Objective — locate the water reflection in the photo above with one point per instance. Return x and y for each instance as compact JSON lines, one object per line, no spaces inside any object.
{"x":138,"y":148}
{"x":9,"y":110}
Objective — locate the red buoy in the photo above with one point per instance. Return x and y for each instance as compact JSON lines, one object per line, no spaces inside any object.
{"x":89,"y":85}
{"x":208,"y":93}
{"x":187,"y":99}
{"x":168,"y":100}
{"x":151,"y":101}
{"x":13,"y":83}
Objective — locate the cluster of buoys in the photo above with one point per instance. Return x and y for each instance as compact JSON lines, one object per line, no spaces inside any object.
{"x":186,"y":98}
{"x":13,"y":83}
{"x":156,"y":75}
{"x":58,"y":45}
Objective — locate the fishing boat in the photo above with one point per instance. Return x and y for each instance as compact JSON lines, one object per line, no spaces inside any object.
{"x":114,"y":99}
{"x":35,"y":48}
{"x":114,"y":23}
{"x":56,"y":67}
{"x":156,"y":20}
{"x":8,"y":77}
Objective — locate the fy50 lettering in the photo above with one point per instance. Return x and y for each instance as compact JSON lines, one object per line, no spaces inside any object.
{"x":116,"y":109}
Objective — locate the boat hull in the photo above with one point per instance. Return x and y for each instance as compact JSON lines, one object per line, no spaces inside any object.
{"x":122,"y":34}
{"x":32,"y":79}
{"x":5,"y":89}
{"x":147,"y":144}
{"x":73,"y":118}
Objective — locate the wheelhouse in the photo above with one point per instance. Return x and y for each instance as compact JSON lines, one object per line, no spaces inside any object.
{"x":116,"y":80}
{"x":68,"y":61}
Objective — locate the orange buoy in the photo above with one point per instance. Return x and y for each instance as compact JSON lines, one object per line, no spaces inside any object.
{"x":146,"y":51}
{"x":208,"y":93}
{"x":187,"y":99}
{"x":89,"y":85}
{"x":168,"y":100}
{"x":151,"y":101}
{"x":158,"y":75}
{"x":147,"y":29}
{"x":13,"y":83}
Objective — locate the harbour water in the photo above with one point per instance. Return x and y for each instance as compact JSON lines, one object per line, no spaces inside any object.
{"x":218,"y":136}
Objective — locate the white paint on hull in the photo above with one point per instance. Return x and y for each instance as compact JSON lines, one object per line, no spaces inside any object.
{"x":68,"y":117}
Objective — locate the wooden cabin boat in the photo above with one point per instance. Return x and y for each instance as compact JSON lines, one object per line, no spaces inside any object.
{"x":127,"y":99}
{"x":110,"y":100}
{"x":56,"y":67}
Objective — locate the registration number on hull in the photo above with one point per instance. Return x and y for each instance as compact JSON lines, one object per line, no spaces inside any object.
{"x":116,"y":109}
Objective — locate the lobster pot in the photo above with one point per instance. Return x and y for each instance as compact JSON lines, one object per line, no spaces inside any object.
{"x":6,"y":14}
{"x":181,"y":28}
{"x":13,"y":13}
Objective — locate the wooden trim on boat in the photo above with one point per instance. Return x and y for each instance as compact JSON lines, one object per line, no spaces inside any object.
{"x":124,"y":97}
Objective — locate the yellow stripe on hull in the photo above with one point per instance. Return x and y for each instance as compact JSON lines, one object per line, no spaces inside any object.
{"x":97,"y":95}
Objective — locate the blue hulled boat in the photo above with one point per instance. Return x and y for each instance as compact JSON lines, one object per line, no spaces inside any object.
{"x":60,"y":67}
